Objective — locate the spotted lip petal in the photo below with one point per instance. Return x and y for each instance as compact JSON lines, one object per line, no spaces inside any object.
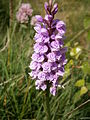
{"x":44,"y":32}
{"x":42,"y":76}
{"x":39,"y":18}
{"x":55,"y":46}
{"x":37,"y":57}
{"x":60,"y":26}
{"x":46,"y":67}
{"x":51,"y":57}
{"x":37,"y":28}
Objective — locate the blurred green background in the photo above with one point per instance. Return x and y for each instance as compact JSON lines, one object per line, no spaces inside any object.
{"x":18,"y":98}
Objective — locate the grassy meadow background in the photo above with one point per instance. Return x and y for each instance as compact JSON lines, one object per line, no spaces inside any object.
{"x":19,"y":99}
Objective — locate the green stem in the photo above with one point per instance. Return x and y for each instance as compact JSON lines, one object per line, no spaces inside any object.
{"x":47,"y":106}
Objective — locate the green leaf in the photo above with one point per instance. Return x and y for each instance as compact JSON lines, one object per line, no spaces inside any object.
{"x":88,"y":36}
{"x":71,"y":62}
{"x":67,"y":73}
{"x":23,"y":26}
{"x":86,"y":68}
{"x":80,"y":83}
{"x":88,"y":85}
{"x":83,"y":90}
{"x":86,"y":22}
{"x":76,"y":97}
{"x":75,"y":51}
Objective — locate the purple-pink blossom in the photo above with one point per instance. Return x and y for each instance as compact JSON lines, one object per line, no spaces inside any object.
{"x":24,"y":13}
{"x":46,"y":67}
{"x":48,"y":59}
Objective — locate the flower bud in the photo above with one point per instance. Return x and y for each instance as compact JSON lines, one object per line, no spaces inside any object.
{"x":55,"y":9}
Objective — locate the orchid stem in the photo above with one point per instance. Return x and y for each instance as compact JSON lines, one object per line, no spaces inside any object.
{"x":47,"y":106}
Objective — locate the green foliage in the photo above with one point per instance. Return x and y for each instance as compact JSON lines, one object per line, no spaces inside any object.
{"x":4,"y":16}
{"x":83,"y":90}
{"x":86,"y":22}
{"x":88,"y":85}
{"x":86,"y":68}
{"x":75,"y":51}
{"x":88,"y":37}
{"x":76,"y":96}
{"x":80,"y":83}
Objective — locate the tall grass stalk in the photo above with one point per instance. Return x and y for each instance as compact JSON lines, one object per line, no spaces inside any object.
{"x":10,"y":26}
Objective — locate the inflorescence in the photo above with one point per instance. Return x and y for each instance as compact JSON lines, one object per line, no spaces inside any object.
{"x":48,"y":59}
{"x":24,"y":13}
